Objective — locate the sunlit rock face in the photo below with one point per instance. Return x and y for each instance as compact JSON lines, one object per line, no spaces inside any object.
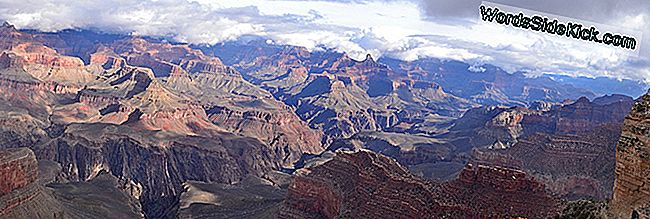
{"x":120,"y":111}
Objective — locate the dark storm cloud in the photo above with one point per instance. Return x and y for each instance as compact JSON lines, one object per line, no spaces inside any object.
{"x":598,"y":11}
{"x":629,"y":14}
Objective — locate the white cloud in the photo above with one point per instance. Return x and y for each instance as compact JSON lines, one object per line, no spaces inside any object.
{"x":381,"y":28}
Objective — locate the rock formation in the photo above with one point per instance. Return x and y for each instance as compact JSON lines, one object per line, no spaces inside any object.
{"x":20,"y":194}
{"x":340,"y":95}
{"x":571,"y":148}
{"x":141,"y":127}
{"x":368,"y":185}
{"x":108,"y":116}
{"x":632,"y":187}
{"x":230,"y":102}
{"x":24,"y":194}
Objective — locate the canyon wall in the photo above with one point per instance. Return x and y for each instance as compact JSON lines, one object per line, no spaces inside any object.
{"x":632,"y":185}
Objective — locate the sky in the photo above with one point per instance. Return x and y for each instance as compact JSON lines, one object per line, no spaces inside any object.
{"x":403,"y":29}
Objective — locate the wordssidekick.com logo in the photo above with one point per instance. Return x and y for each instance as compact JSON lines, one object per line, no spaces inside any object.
{"x":544,"y":24}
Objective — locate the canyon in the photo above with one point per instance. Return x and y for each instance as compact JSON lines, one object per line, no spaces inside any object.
{"x":107,"y":125}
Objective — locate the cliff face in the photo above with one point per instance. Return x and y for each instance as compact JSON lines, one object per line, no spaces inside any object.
{"x":150,"y":165}
{"x":21,"y":196}
{"x":570,"y":148}
{"x":581,"y":116}
{"x":155,"y":164}
{"x":166,"y":59}
{"x":359,"y":185}
{"x":492,"y":191}
{"x":368,"y":185}
{"x":19,"y":169}
{"x":632,"y":187}
{"x":283,"y":131}
{"x":24,"y":194}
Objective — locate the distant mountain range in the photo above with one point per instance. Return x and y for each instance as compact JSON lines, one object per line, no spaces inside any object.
{"x":485,"y":83}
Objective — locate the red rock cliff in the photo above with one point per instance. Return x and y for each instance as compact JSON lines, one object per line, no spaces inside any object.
{"x":632,"y":185}
{"x":369,"y":185}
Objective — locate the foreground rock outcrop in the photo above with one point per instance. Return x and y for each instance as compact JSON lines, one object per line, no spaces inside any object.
{"x":368,"y":185}
{"x":20,"y":194}
{"x":25,"y":195}
{"x":632,"y":186}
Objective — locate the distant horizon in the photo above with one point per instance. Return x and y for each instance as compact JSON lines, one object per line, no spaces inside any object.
{"x":406,"y":29}
{"x":527,"y":73}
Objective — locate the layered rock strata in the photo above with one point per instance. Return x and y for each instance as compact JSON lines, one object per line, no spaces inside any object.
{"x":368,"y":185}
{"x":632,"y":186}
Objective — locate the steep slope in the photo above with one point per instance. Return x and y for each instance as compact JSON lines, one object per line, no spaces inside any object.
{"x":631,"y":189}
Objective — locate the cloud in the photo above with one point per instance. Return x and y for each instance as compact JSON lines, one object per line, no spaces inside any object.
{"x":182,"y":20}
{"x":628,"y":14}
{"x":409,"y":29}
